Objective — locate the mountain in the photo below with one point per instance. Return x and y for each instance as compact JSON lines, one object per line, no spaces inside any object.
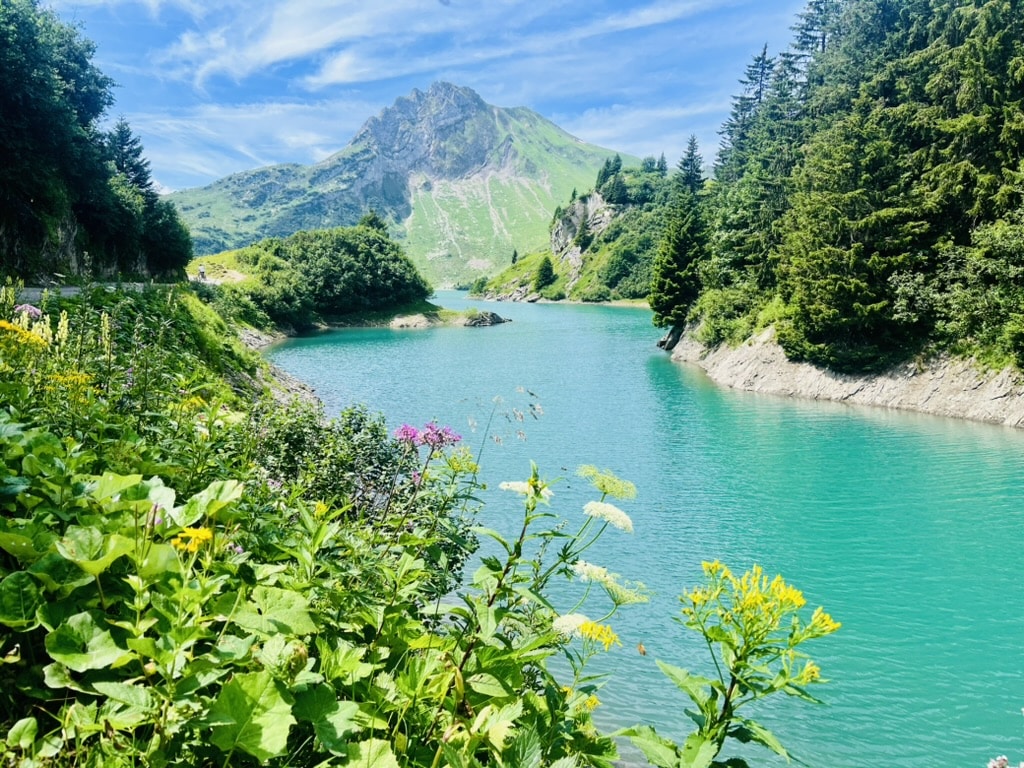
{"x":461,"y":182}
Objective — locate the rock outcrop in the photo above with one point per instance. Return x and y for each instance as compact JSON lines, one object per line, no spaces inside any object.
{"x":942,"y":386}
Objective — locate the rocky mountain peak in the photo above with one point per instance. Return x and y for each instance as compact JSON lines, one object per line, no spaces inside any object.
{"x":447,"y":132}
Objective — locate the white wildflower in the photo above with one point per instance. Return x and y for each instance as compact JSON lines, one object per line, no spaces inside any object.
{"x":610,"y":514}
{"x":586,"y":572}
{"x":526,"y":489}
{"x":569,"y":625}
{"x":516,"y":486}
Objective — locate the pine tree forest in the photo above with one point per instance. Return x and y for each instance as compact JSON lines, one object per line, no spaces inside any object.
{"x":866,"y":198}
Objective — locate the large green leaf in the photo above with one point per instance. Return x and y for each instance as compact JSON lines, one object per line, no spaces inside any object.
{"x":254,"y":713}
{"x":20,"y":598}
{"x":696,"y":687}
{"x":109,"y":485}
{"x":372,"y":753}
{"x":92,"y":550}
{"x":658,"y":750}
{"x":698,"y":751}
{"x":211,"y":502}
{"x":80,"y":644}
{"x":270,"y":611}
{"x":750,"y":730}
{"x":332,"y":720}
{"x":19,"y":546}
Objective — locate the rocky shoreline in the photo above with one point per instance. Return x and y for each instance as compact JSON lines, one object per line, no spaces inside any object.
{"x":942,"y":386}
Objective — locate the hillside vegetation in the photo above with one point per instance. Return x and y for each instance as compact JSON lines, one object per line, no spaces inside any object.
{"x":74,"y":200}
{"x":867,"y":197}
{"x":461,"y":184}
{"x":312,"y":277}
{"x":601,"y":245}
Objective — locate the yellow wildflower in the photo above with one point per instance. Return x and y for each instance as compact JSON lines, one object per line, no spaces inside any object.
{"x":822,"y":623}
{"x":716,"y":568}
{"x":191,"y":539}
{"x":601,"y":633}
{"x":591,"y":703}
{"x":809,"y":674}
{"x":21,"y":335}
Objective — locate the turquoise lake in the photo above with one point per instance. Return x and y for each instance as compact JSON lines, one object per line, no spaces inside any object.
{"x":906,"y":528}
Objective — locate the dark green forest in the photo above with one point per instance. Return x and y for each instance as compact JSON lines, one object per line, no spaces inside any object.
{"x":74,"y":199}
{"x":866,"y":199}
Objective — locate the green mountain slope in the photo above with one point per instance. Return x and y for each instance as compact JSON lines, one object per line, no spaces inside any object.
{"x":462,"y":183}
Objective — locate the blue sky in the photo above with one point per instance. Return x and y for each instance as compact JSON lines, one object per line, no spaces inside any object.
{"x":218,"y":86}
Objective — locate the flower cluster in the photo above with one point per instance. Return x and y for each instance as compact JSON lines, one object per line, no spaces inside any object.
{"x":610,"y":514}
{"x":527,"y":488}
{"x":191,"y":539}
{"x":607,"y":483}
{"x":432,"y":435}
{"x":601,"y":633}
{"x":33,"y":312}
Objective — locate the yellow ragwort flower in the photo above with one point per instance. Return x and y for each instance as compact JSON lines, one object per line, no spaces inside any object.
{"x":191,"y":539}
{"x":809,"y":674}
{"x":601,"y":633}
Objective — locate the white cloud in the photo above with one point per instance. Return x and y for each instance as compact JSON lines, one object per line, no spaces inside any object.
{"x":193,"y":147}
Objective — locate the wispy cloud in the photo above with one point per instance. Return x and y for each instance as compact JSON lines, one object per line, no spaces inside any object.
{"x":216,"y":87}
{"x":193,"y":141}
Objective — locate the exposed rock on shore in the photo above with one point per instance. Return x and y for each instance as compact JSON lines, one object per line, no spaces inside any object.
{"x":942,"y":386}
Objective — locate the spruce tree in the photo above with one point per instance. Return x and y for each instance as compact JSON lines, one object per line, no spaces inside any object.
{"x":545,"y":274}
{"x":125,"y":150}
{"x":676,"y":284}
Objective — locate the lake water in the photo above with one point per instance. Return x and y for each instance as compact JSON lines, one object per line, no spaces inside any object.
{"x":906,"y":528}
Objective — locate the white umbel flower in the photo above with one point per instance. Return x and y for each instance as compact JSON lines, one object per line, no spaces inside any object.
{"x":524,"y":488}
{"x":610,"y":514}
{"x":569,"y":625}
{"x":586,"y":572}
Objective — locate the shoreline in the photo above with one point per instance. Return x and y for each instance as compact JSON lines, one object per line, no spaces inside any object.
{"x":940,"y":386}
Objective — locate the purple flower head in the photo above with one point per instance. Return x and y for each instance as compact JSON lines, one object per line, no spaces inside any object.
{"x":33,"y":312}
{"x":438,"y":437}
{"x":408,"y":435}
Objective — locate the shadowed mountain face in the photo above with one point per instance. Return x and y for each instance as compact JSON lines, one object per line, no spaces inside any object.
{"x":462,"y":183}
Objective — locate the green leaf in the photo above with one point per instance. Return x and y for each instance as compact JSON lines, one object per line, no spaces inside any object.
{"x":160,"y":559}
{"x":750,"y":730}
{"x":271,"y":611}
{"x":58,"y":574}
{"x":22,"y":734}
{"x":20,"y":598}
{"x":19,"y":546}
{"x":256,"y":714}
{"x":659,"y":751}
{"x":372,"y":753}
{"x":211,"y":502}
{"x":488,"y":685}
{"x":92,"y":550}
{"x":699,"y":751}
{"x":80,"y":644}
{"x":696,"y":687}
{"x":132,"y":695}
{"x":110,"y":485}
{"x":332,"y":720}
{"x":525,"y":751}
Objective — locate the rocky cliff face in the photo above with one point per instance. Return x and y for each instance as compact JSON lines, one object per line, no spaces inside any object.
{"x":462,"y":181}
{"x":941,"y":386}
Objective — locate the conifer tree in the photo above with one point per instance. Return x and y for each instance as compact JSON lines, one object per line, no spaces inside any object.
{"x":545,"y":274}
{"x":125,"y":150}
{"x":676,"y":284}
